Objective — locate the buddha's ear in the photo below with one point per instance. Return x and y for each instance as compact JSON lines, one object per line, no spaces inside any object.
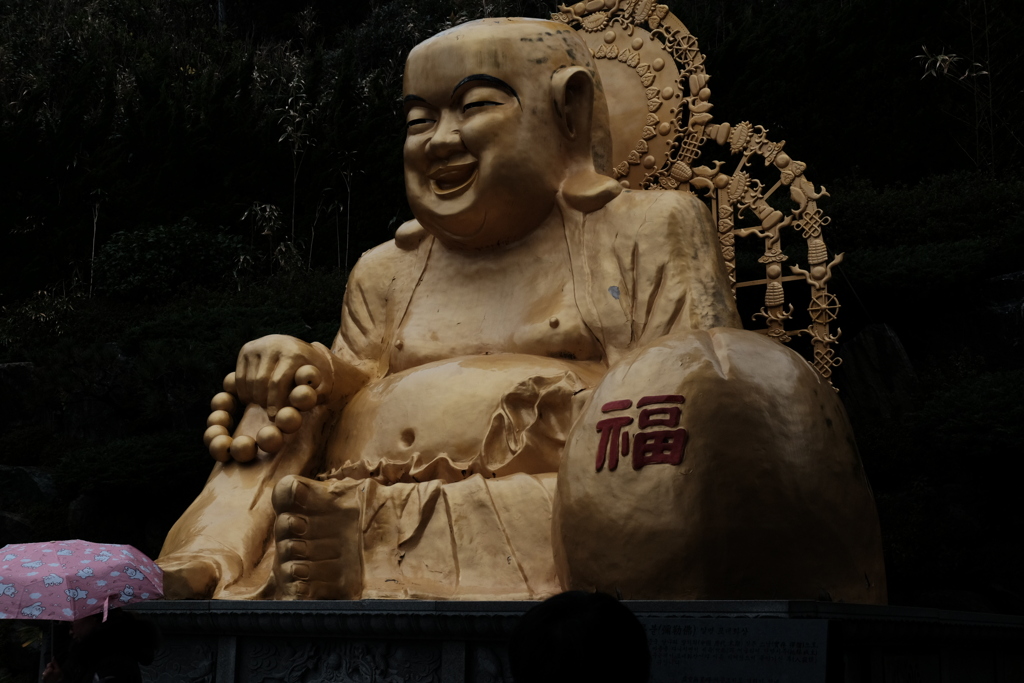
{"x":572,"y":93}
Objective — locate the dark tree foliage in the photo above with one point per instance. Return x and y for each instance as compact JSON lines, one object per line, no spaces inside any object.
{"x":183,"y":176}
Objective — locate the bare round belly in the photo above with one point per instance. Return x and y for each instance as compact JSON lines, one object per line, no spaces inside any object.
{"x":490,"y":415}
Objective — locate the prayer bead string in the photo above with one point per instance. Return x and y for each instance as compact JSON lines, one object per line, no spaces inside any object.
{"x":223,"y":447}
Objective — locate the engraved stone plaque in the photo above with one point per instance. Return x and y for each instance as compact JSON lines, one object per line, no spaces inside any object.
{"x":728,"y":650}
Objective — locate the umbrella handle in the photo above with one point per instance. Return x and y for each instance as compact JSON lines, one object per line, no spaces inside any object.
{"x":106,"y":605}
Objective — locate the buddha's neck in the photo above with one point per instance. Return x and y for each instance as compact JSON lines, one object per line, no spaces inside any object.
{"x":549,"y":233}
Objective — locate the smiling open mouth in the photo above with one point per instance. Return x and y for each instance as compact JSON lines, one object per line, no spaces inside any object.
{"x":452,"y":177}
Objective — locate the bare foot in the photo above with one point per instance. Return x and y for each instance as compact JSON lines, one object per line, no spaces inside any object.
{"x":318,"y":539}
{"x":189,"y":576}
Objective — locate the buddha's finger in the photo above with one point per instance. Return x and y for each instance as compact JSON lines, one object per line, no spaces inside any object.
{"x":261,"y":382}
{"x":242,"y":388}
{"x":250,"y":360}
{"x":279,"y":386}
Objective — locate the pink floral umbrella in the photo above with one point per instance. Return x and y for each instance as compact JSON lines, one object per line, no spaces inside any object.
{"x":68,"y":580}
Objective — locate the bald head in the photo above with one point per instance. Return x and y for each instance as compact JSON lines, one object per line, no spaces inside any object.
{"x":531,"y":52}
{"x":543,"y":43}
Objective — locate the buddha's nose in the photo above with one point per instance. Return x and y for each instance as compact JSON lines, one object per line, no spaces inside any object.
{"x":447,"y":140}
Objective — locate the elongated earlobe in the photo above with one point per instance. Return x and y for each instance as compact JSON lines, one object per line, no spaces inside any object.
{"x":587,"y":190}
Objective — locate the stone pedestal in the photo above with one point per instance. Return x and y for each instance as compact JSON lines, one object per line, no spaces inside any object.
{"x":463,"y":642}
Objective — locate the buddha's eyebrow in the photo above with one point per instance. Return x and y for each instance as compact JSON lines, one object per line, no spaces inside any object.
{"x":493,"y":80}
{"x":412,"y":98}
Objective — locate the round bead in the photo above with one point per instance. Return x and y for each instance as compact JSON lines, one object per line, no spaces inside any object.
{"x":220,"y":448}
{"x":220,"y":417}
{"x":721,"y":181}
{"x":774,"y":270}
{"x":609,"y":37}
{"x":649,"y":161}
{"x":704,"y":95}
{"x":399,"y":344}
{"x":664,"y":128}
{"x":624,"y":183}
{"x":579,"y":8}
{"x":638,"y":43}
{"x":270,"y":439}
{"x":229,"y":383}
{"x":224,"y":401}
{"x":658,"y":64}
{"x":303,"y":397}
{"x":288,"y":420}
{"x":667,"y":92}
{"x":818,"y":272}
{"x":782,"y":160}
{"x":212,"y":433}
{"x":243,"y":448}
{"x":608,"y":4}
{"x":553,"y":322}
{"x":308,"y":375}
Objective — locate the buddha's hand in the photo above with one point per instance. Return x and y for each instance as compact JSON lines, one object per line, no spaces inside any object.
{"x":266,"y":367}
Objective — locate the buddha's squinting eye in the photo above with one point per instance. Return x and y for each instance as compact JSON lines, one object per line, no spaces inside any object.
{"x":419,"y":119}
{"x":416,"y":122}
{"x":481,"y":103}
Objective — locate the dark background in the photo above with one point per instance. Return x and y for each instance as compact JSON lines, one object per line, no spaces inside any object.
{"x":181,"y":176}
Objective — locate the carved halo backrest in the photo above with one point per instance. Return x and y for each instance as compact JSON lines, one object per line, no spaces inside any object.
{"x":659,"y":107}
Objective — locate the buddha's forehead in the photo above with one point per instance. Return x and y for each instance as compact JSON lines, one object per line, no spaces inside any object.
{"x":521,"y":52}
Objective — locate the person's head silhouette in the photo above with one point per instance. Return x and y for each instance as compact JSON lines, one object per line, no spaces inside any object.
{"x":578,"y":636}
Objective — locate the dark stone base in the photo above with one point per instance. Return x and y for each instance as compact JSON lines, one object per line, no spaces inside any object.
{"x":694,"y":642}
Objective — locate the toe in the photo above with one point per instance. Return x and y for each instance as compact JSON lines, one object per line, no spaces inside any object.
{"x":290,"y":525}
{"x":292,"y":549}
{"x":291,"y":493}
{"x":320,"y":580}
{"x":292,"y":581}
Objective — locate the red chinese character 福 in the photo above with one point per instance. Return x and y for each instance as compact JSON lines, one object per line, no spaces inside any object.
{"x":660,"y":446}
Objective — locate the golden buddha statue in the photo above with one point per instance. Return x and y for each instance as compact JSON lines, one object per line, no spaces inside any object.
{"x":540,"y":384}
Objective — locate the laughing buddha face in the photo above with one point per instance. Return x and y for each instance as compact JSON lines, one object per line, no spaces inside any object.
{"x":485,"y":152}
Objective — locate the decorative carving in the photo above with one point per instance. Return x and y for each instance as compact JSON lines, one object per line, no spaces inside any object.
{"x":488,"y":664}
{"x":635,"y":50}
{"x":339,"y":661}
{"x":182,"y":661}
{"x":643,"y":25}
{"x":823,"y":308}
